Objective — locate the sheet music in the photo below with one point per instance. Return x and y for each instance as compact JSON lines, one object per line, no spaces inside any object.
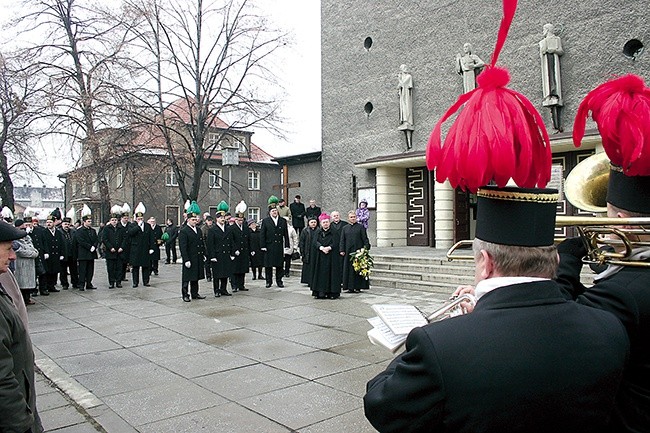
{"x":401,"y":319}
{"x":381,"y":334}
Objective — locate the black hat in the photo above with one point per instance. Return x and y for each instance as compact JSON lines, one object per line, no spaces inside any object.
{"x":19,"y":222}
{"x":56,"y":213}
{"x":10,"y":233}
{"x":50,"y":217}
{"x":631,"y":193}
{"x":66,"y":220}
{"x":27,"y":219}
{"x":516,"y":216}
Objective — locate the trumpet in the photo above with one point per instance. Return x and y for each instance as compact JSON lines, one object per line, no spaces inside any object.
{"x":452,"y":309}
{"x":586,"y":189}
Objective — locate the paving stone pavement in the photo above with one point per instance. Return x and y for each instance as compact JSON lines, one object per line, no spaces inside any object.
{"x":267,"y":360}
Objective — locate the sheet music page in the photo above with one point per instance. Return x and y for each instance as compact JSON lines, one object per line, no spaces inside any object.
{"x":383,"y":336}
{"x":401,"y":319}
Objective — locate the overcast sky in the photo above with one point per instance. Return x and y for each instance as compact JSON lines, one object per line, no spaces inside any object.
{"x":299,"y":76}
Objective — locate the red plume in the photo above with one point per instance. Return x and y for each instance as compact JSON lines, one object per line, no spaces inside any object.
{"x":498,"y":135}
{"x":621,"y":108}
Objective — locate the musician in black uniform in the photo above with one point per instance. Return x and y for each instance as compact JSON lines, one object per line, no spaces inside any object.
{"x":525,"y":360}
{"x":219,"y":246}
{"x":113,"y":239}
{"x":69,"y":262}
{"x":192,"y":249}
{"x":86,"y":242}
{"x":274,"y":238}
{"x":621,"y":290}
{"x":51,"y":252}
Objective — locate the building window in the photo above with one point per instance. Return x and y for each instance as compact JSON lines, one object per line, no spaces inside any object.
{"x":95,"y":186}
{"x":119,"y":177}
{"x":83,"y":188}
{"x":254,"y":180}
{"x":170,"y":178}
{"x":74,"y":187}
{"x":254,"y":213}
{"x":214,"y":180}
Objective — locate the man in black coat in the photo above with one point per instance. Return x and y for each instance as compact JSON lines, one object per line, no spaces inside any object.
{"x":219,"y":248}
{"x":113,"y":238}
{"x":124,"y":225}
{"x":190,"y":242}
{"x":69,"y":262}
{"x":170,"y":244}
{"x":157,"y":237}
{"x":621,"y":290}
{"x":240,"y":249}
{"x":525,"y":360}
{"x":297,"y":214}
{"x":86,"y":242}
{"x":141,"y":249}
{"x":312,"y":211}
{"x":274,"y":237}
{"x":353,"y":238}
{"x":51,"y":253}
{"x":37,"y":239}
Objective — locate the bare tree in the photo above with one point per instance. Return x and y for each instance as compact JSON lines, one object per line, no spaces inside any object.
{"x":18,"y":92}
{"x":80,"y":57}
{"x":206,"y":75}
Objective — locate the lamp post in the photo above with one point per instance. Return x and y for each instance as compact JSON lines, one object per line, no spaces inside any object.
{"x":230,"y":158}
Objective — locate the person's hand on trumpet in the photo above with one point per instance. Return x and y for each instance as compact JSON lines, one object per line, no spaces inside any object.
{"x":467,"y":307}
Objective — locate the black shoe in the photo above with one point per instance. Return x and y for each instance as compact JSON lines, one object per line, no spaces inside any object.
{"x":135,"y":285}
{"x":226,"y":294}
{"x":209,"y":279}
{"x":198,"y":297}
{"x":268,"y":285}
{"x":357,"y":290}
{"x":186,"y":298}
{"x":118,"y":285}
{"x":217,"y":295}
{"x":244,"y":289}
{"x":349,"y":291}
{"x":235,"y":290}
{"x":280,"y":285}
{"x":155,"y":273}
{"x":167,"y":262}
{"x":65,"y":287}
{"x":147,"y":285}
{"x":111,"y":286}
{"x":81,"y":289}
{"x":254,"y":277}
{"x":53,"y":289}
{"x":44,"y":293}
{"x":90,"y":287}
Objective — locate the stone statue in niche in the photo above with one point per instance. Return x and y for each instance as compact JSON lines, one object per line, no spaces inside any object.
{"x":550,"y":50}
{"x":469,"y":66}
{"x":405,"y":92}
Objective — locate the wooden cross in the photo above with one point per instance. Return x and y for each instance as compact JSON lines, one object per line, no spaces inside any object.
{"x":285,"y":185}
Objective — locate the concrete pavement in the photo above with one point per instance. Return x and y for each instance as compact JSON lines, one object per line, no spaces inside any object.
{"x":266,"y":360}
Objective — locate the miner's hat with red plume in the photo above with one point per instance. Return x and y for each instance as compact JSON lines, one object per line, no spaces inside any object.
{"x":621,"y":109}
{"x":499,"y":137}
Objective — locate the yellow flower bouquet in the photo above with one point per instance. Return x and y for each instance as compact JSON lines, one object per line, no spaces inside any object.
{"x":362,"y":262}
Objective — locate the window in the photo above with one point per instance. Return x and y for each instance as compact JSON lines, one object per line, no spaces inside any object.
{"x":254,"y":180}
{"x":119,"y":177}
{"x":170,"y":178}
{"x":214,"y":180}
{"x":95,"y":186}
{"x":74,"y":187}
{"x":253,"y":214}
{"x":213,"y":139}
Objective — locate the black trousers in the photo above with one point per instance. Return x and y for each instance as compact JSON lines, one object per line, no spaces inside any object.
{"x":287,"y":264}
{"x":193,"y":286}
{"x":279,"y":273}
{"x":237,"y":281}
{"x":69,"y":267}
{"x":50,"y":280}
{"x":154,"y":266}
{"x":114,"y":270}
{"x":220,"y":285}
{"x":135,"y":274}
{"x":170,"y":251}
{"x":86,"y":273}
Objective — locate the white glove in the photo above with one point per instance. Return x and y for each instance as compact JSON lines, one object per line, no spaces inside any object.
{"x":237,"y":252}
{"x":46,"y":256}
{"x":150,"y":251}
{"x":61,"y":258}
{"x":214,"y":259}
{"x":188,"y":264}
{"x":252,"y":253}
{"x":232,"y":257}
{"x":287,"y":251}
{"x":92,"y":249}
{"x":263,"y":249}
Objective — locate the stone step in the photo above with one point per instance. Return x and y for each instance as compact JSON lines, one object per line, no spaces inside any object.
{"x":428,"y":268}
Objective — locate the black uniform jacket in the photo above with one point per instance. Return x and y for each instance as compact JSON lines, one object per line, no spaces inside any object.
{"x":141,"y":242}
{"x":52,"y":243}
{"x":297,"y":214}
{"x":274,"y":238}
{"x":85,"y":238}
{"x":240,"y":248}
{"x":526,"y":360}
{"x":626,"y":294}
{"x":219,"y":246}
{"x":192,"y":250}
{"x":112,"y":238}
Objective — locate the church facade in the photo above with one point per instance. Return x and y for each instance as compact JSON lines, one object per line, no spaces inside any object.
{"x":373,"y":149}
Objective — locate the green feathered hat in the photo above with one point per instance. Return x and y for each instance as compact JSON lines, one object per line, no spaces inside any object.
{"x":193,"y":210}
{"x":273,"y":202}
{"x":222,"y":208}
